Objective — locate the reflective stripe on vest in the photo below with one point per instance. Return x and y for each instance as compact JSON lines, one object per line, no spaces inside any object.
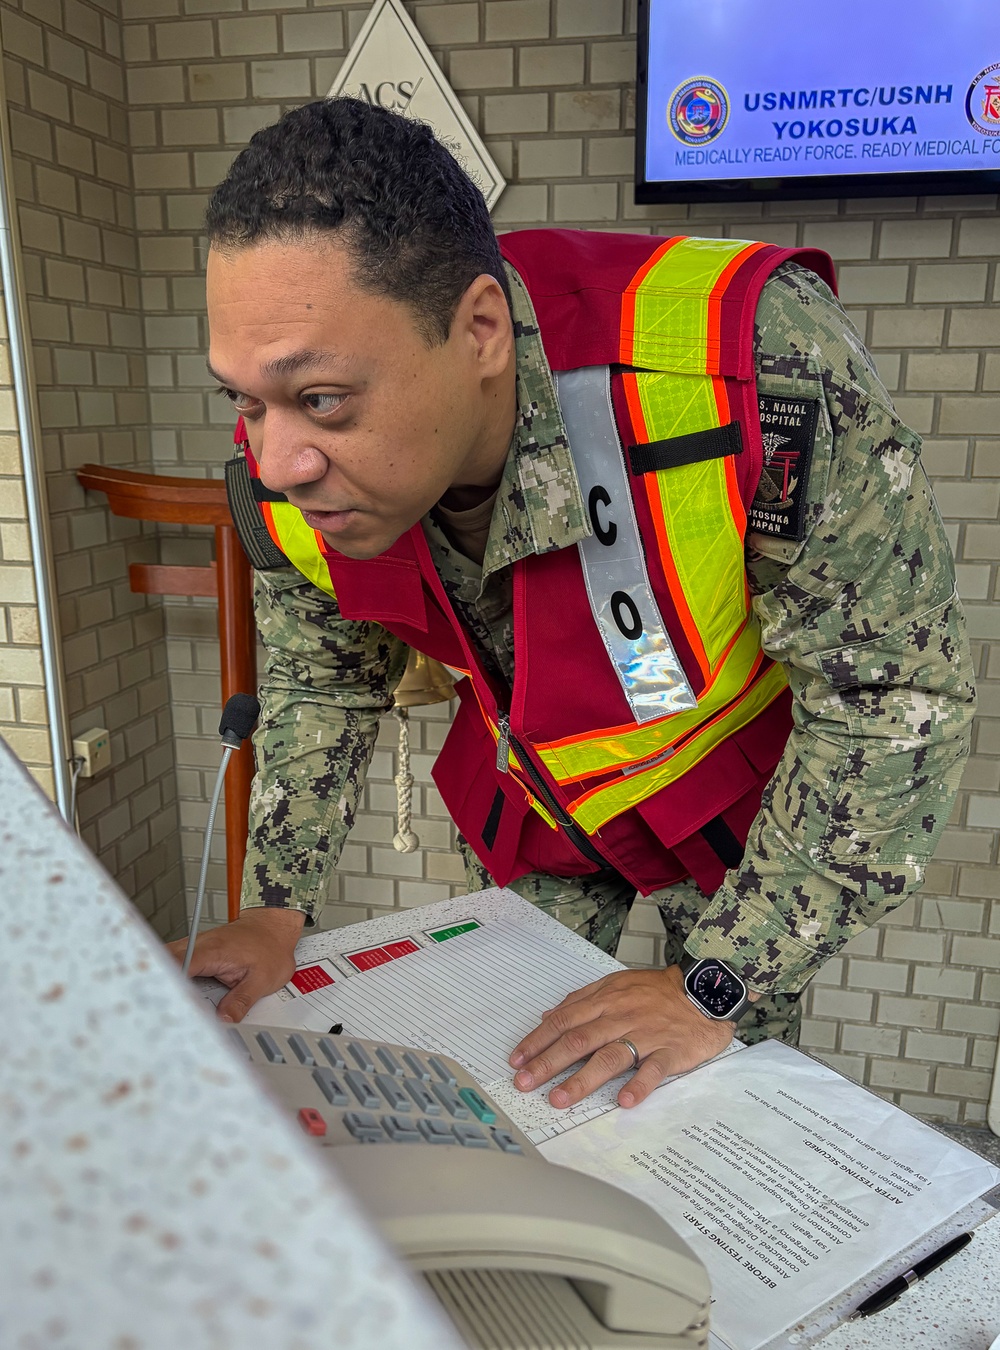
{"x":301,"y":545}
{"x":631,"y":749}
{"x":702,"y":550}
{"x":603,"y":803}
{"x":614,"y":568}
{"x":671,"y":311}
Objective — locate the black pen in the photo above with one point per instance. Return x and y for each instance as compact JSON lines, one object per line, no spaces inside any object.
{"x":882,"y":1298}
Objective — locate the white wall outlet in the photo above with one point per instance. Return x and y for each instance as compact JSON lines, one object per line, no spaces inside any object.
{"x":94,"y":748}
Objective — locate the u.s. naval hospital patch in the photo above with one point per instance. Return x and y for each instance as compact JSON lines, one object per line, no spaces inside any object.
{"x":788,"y":426}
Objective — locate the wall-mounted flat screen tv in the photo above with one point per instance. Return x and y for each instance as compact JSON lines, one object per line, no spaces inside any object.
{"x":754,"y":99}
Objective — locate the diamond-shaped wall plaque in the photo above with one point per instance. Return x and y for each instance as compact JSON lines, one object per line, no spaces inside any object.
{"x":391,"y":66}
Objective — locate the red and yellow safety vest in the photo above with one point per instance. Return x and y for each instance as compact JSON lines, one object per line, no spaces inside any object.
{"x":644,"y":719}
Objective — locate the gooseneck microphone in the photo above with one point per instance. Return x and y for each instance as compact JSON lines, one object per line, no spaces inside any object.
{"x":238,"y":718}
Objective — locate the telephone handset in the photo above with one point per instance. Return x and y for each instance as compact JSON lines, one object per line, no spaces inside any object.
{"x":478,"y":1221}
{"x":520,"y":1252}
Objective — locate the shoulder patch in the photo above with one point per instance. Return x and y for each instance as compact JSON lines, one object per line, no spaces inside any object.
{"x":788,"y":426}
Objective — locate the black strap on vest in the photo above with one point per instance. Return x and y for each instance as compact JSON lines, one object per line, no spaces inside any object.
{"x":715,"y":443}
{"x":245,"y":494}
{"x":723,"y":843}
{"x":489,"y":835}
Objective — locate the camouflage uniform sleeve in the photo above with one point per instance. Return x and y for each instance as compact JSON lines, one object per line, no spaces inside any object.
{"x":862,"y":614}
{"x":326,"y":681}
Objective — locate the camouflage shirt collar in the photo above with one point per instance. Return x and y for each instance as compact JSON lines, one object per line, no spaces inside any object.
{"x":539,"y":505}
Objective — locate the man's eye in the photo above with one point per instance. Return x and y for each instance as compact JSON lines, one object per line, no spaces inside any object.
{"x":241,"y":402}
{"x":323,"y":403}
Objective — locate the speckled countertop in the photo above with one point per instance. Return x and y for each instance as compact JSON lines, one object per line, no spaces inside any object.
{"x":955,"y":1308}
{"x":152,"y":1197}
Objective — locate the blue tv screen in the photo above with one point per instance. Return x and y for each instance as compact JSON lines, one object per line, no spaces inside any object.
{"x":755,"y":99}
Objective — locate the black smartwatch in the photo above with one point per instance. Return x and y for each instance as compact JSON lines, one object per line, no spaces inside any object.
{"x":715,"y":989}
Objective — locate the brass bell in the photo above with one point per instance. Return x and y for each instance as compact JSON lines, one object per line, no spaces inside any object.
{"x":424,"y":681}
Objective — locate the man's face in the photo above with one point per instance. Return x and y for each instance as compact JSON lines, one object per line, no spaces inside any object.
{"x":350,"y":413}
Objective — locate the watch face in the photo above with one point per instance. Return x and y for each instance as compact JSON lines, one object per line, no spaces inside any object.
{"x":713,"y":986}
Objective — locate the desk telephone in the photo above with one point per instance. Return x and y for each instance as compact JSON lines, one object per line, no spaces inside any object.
{"x":522,"y":1255}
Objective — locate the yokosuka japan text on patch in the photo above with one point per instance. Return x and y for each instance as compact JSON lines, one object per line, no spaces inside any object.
{"x":788,"y":426}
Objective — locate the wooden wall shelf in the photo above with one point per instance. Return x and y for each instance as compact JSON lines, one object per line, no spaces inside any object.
{"x":200,"y":501}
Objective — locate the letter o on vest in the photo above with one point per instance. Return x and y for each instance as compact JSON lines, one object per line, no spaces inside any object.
{"x":607,"y":534}
{"x":626,"y":615}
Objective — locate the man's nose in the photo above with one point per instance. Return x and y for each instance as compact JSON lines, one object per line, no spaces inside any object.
{"x":288,"y":458}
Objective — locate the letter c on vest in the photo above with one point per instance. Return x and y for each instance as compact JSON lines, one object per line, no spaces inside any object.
{"x":629,"y":622}
{"x":606,"y":534}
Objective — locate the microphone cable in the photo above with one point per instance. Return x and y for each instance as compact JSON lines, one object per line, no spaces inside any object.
{"x":238,"y":718}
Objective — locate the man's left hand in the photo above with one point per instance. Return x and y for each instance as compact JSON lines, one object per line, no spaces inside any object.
{"x":647,"y":1007}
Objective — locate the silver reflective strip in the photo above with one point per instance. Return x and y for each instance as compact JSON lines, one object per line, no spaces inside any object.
{"x":614,"y":566}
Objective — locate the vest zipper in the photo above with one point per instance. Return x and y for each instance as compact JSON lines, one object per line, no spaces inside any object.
{"x":576,"y":835}
{"x":503,"y":744}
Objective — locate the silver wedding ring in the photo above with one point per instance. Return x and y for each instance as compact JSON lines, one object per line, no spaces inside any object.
{"x":635,"y":1053}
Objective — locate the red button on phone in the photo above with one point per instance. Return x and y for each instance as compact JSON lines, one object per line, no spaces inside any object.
{"x":311,"y":1121}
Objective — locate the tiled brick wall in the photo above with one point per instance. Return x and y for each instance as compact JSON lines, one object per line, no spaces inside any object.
{"x":22,"y":695}
{"x":65,"y":88}
{"x":913,"y":1007}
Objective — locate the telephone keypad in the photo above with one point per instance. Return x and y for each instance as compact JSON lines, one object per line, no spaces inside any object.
{"x":375,"y":1093}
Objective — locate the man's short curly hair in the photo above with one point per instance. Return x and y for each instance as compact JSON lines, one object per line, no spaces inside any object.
{"x":414,"y":224}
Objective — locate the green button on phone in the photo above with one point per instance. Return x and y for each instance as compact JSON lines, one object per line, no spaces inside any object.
{"x":477,"y":1106}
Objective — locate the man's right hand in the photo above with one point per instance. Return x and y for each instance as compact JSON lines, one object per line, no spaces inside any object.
{"x":254,"y":956}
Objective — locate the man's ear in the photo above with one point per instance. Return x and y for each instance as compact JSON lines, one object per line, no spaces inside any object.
{"x":483,"y":318}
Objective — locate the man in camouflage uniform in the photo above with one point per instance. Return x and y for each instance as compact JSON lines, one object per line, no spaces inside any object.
{"x":861,"y":613}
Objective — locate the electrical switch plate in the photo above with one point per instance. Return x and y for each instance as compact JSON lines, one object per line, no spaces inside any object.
{"x":94,"y":748}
